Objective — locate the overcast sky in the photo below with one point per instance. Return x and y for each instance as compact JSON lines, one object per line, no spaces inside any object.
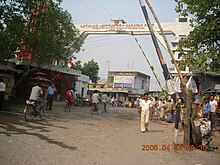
{"x":120,"y":52}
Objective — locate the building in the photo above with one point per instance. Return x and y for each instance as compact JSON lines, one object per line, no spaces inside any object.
{"x":123,"y":83}
{"x":82,"y":85}
{"x":131,"y":81}
{"x":63,"y":77}
{"x":180,"y":33}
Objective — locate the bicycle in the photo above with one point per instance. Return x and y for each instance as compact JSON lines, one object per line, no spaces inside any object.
{"x":67,"y":105}
{"x":31,"y":111}
{"x":96,"y":107}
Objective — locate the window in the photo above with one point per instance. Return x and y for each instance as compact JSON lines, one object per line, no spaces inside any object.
{"x":182,"y":19}
{"x":142,"y":84}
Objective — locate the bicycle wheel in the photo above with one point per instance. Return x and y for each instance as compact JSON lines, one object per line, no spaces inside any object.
{"x":28,"y":112}
{"x":44,"y":113}
{"x":93,"y":109}
{"x":217,"y":125}
{"x":100,"y":108}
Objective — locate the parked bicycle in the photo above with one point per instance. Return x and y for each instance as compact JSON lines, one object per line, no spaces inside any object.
{"x":31,"y":110}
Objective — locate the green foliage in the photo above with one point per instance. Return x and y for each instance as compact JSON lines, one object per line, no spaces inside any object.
{"x":78,"y":65}
{"x":47,"y":29}
{"x":91,"y":69}
{"x":204,"y":39}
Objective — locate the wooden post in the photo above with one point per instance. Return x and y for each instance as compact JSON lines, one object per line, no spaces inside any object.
{"x":186,"y":140}
{"x":187,"y":95}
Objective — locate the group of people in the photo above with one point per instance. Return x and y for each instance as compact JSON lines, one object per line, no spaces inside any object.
{"x":97,"y":98}
{"x":152,"y":106}
{"x":166,"y":109}
{"x":118,"y":102}
{"x":210,"y":106}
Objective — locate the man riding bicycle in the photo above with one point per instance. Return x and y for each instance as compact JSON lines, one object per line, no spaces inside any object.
{"x":69,"y":96}
{"x":36,"y":95}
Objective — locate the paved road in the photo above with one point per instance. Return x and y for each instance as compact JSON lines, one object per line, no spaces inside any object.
{"x":79,"y":138}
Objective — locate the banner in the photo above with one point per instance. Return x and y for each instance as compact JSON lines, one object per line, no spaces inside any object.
{"x":124,"y":79}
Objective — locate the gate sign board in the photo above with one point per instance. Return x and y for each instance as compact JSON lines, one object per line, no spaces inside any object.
{"x":118,"y":26}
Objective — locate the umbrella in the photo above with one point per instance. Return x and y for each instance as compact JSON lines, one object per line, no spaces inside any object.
{"x":40,"y":74}
{"x":41,"y":79}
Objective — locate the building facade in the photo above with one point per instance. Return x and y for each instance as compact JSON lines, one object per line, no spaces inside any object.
{"x":123,"y":84}
{"x":82,"y":85}
{"x":131,"y":81}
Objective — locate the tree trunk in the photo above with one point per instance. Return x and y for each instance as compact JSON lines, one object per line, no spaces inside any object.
{"x":25,"y":74}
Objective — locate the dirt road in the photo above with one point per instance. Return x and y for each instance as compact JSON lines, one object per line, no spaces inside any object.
{"x":79,"y":138}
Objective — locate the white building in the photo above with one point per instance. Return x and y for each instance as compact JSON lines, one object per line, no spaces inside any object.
{"x":82,"y":85}
{"x":131,"y":81}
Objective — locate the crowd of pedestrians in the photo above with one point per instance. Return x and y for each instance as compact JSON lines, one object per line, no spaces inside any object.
{"x":166,"y":110}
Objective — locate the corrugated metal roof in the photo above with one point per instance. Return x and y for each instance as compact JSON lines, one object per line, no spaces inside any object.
{"x":7,"y":68}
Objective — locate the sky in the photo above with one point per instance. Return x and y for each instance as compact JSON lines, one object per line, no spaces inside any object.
{"x":120,"y":52}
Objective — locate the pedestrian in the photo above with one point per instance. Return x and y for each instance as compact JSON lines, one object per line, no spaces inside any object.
{"x":145,"y":105}
{"x":214,"y":108}
{"x":169,"y":110}
{"x":69,"y":96}
{"x":37,"y":95}
{"x":206,"y":108}
{"x":2,"y":92}
{"x":162,"y":110}
{"x":50,"y":93}
{"x":113,"y":100}
{"x":95,"y":99}
{"x":104,"y":99}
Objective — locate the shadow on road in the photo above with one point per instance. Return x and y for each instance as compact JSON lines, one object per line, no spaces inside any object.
{"x":11,"y":125}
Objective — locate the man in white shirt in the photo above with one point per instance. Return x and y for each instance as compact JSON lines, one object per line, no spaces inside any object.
{"x":95,"y":99}
{"x":2,"y":92}
{"x":145,"y":105}
{"x":214,"y":107}
{"x":36,"y":94}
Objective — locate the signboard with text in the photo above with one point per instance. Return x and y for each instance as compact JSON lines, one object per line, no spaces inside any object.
{"x":126,"y":81}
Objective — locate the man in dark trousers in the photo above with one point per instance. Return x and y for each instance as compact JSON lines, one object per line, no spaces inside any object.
{"x":50,"y":93}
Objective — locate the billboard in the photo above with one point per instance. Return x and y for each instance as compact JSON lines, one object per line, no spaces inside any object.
{"x":127,"y":81}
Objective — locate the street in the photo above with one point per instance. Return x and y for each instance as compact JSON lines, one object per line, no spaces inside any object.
{"x":79,"y":138}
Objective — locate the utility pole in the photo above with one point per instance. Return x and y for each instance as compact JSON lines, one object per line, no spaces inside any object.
{"x":108,"y":70}
{"x":159,"y":54}
{"x":168,"y":48}
{"x":164,"y":67}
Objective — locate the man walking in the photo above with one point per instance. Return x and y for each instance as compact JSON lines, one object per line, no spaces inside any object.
{"x":104,"y":99}
{"x":2,"y":92}
{"x":95,"y":99}
{"x":145,"y":105}
{"x":214,"y":108}
{"x":50,"y":93}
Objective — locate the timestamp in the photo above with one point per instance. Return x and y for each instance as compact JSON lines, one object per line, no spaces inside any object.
{"x":155,"y":147}
{"x":168,"y":147}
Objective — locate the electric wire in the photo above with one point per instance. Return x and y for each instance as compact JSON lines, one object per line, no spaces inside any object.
{"x":151,"y":67}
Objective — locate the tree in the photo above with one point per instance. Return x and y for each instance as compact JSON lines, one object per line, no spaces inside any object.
{"x":40,"y":25}
{"x":39,"y":28}
{"x":78,"y":65}
{"x":91,"y":69}
{"x":203,"y":41}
